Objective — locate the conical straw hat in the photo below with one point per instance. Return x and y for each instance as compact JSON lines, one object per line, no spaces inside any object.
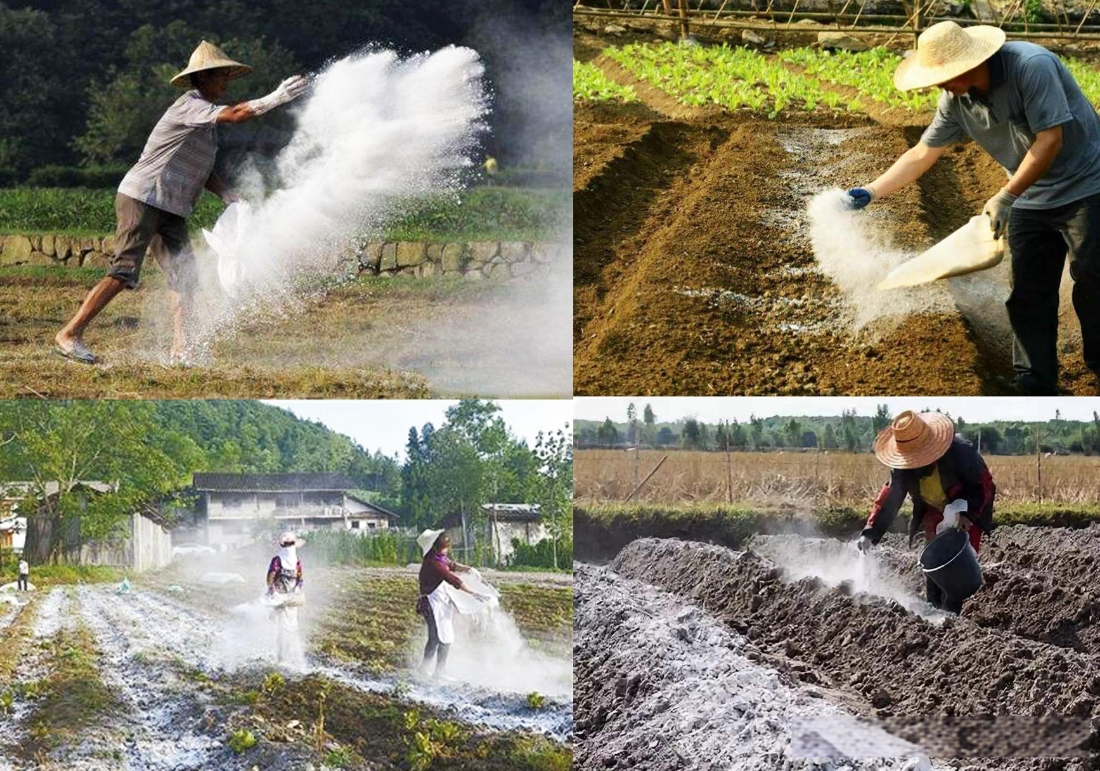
{"x":945,"y":51}
{"x":914,"y":440}
{"x":209,"y":57}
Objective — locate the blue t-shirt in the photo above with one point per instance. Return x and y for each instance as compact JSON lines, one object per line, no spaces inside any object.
{"x":1030,"y":90}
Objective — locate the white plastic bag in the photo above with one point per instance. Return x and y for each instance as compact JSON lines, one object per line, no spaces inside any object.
{"x":226,"y":240}
{"x":951,"y":514}
{"x":969,"y":249}
{"x":467,"y":604}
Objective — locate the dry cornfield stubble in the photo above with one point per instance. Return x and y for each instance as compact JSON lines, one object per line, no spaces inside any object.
{"x":827,"y":478}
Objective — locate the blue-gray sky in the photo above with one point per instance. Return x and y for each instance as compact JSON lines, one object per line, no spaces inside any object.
{"x":384,"y":425}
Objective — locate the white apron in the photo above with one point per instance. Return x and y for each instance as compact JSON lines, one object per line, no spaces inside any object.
{"x":443,"y":612}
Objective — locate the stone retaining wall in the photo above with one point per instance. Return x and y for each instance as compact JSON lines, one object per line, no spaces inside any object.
{"x":478,"y":259}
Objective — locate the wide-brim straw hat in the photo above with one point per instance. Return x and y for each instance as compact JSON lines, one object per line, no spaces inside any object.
{"x":914,"y":440}
{"x":945,"y":51}
{"x":426,"y":540}
{"x":209,"y":57}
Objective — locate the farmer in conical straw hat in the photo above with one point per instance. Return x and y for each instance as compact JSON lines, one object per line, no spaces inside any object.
{"x":161,"y":189}
{"x":1020,"y":103}
{"x":434,"y":604}
{"x":941,"y":472}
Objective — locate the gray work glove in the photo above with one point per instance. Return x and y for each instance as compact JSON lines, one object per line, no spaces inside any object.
{"x":864,"y":544}
{"x":861,"y":197}
{"x":998,"y":208}
{"x":289,"y":90}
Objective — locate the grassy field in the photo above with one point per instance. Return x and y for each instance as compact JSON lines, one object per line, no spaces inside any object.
{"x":482,"y":214}
{"x":810,"y":480}
{"x":382,"y":337}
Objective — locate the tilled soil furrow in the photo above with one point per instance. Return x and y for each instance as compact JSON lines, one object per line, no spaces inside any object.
{"x":168,"y":726}
{"x":716,"y":289}
{"x":663,"y":685}
{"x":895,"y":662}
{"x":1025,"y":602}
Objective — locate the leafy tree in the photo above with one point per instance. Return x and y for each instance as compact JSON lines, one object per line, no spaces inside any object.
{"x":650,"y":419}
{"x":607,"y":435}
{"x":632,"y":424}
{"x":882,"y":418}
{"x":794,"y":433}
{"x":554,"y":490}
{"x":58,"y":447}
{"x":665,"y":437}
{"x":690,"y":437}
{"x":830,"y":437}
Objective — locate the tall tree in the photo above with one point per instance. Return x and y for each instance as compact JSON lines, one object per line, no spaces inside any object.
{"x":650,"y":419}
{"x":60,"y":447}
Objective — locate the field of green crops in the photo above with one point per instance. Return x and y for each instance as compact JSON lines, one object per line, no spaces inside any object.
{"x":590,"y":83}
{"x":794,"y":80}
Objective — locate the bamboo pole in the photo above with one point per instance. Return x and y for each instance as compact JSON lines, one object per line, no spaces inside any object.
{"x":1041,"y":31}
{"x":647,"y":478}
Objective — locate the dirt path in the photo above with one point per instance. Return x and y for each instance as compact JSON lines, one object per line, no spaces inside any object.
{"x":878,"y":656}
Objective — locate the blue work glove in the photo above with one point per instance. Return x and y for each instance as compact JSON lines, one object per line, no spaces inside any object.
{"x":860,"y":197}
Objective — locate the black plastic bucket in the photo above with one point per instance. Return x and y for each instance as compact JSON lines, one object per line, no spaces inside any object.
{"x":951,"y":562}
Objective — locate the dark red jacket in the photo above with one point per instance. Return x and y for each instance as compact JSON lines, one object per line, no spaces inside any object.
{"x":963,"y":474}
{"x":434,"y":570}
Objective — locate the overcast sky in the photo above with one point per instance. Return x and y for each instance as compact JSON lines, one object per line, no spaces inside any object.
{"x":711,"y":409}
{"x":384,"y":425}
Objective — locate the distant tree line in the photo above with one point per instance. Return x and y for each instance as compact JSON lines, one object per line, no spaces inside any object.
{"x":847,"y":433}
{"x":83,"y":81}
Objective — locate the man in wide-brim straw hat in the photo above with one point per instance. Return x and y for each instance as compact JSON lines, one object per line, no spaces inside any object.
{"x":938,"y":470}
{"x":161,"y":189}
{"x":1020,"y":103}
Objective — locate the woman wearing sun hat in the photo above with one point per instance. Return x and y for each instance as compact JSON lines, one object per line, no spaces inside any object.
{"x":434,"y":604}
{"x":1022,"y":106}
{"x":160,"y":190}
{"x":938,"y":470}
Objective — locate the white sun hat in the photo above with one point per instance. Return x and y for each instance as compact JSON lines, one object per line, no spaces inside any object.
{"x":427,"y":539}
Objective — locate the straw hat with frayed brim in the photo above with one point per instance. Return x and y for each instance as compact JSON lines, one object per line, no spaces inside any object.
{"x":209,"y":57}
{"x":945,"y":51}
{"x":427,"y":539}
{"x":914,"y":440}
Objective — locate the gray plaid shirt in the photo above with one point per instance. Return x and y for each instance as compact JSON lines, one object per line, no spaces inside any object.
{"x":178,"y":156}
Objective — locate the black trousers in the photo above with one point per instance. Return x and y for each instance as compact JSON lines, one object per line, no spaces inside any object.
{"x":939,"y":600}
{"x":434,"y":646}
{"x":1039,"y":242}
{"x":21,"y":585}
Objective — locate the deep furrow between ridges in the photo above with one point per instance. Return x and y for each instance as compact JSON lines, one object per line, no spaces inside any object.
{"x":872,"y":648}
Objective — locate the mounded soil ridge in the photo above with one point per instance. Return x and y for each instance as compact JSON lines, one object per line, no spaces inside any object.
{"x":872,"y":654}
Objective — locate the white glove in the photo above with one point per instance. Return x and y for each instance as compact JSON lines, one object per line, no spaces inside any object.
{"x":998,"y":208}
{"x":864,"y":544}
{"x":289,"y":90}
{"x":951,"y":514}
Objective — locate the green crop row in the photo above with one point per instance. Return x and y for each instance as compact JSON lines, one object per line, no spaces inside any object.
{"x":1087,"y":77}
{"x":730,"y":77}
{"x":590,"y":83}
{"x":870,"y":72}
